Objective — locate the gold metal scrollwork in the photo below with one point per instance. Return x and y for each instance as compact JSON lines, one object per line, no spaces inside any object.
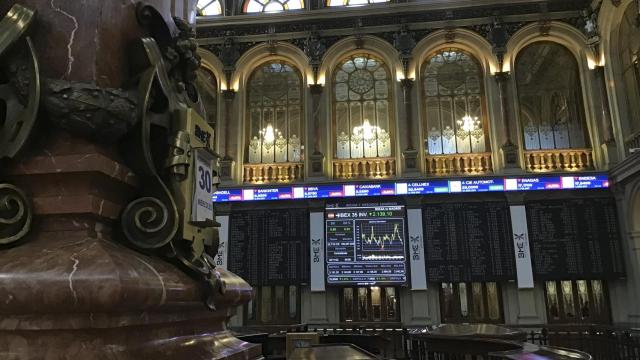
{"x":15,"y":214}
{"x":20,"y":95}
{"x":19,"y":102}
{"x":165,"y":216}
{"x":149,"y":222}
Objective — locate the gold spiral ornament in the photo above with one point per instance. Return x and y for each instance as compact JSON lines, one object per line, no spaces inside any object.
{"x":15,"y":214}
{"x":147,"y":223}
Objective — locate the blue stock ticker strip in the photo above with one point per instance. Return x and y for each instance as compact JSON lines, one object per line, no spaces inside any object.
{"x":415,"y":187}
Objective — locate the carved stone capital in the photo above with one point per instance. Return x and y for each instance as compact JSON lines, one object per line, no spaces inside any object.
{"x":407,"y":83}
{"x":501,"y":76}
{"x":316,"y":89}
{"x":229,"y":94}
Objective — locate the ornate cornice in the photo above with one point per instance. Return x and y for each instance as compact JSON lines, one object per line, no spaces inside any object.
{"x":330,"y":19}
{"x":394,"y":26}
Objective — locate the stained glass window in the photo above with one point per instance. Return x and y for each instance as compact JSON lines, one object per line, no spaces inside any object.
{"x":353,"y":2}
{"x":362,"y":110}
{"x":453,"y":95}
{"x":550,"y":97}
{"x":275,"y":114}
{"x":257,"y":6}
{"x":209,"y":7}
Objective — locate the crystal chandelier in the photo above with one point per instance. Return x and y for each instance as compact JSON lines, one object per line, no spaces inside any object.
{"x":268,"y":134}
{"x":468,"y":123}
{"x":366,"y":131}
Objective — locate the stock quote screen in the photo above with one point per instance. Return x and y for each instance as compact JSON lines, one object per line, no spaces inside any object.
{"x":365,"y":244}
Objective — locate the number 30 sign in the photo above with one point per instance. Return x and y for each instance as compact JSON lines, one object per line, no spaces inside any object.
{"x":205,"y":181}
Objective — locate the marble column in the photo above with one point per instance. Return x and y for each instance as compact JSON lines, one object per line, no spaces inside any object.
{"x":410,"y":154}
{"x":71,"y":289}
{"x":509,"y":149}
{"x":316,"y":158}
{"x":226,"y":163}
{"x":608,"y":144}
{"x":523,"y":304}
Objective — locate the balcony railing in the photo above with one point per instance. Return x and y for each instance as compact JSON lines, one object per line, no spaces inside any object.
{"x":459,"y":164}
{"x":270,"y":173}
{"x":558,"y":160}
{"x":369,"y":168}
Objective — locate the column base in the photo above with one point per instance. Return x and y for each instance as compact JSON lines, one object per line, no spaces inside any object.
{"x":510,"y":157}
{"x":411,"y":166}
{"x":316,"y":169}
{"x":528,"y":312}
{"x":609,"y":154}
{"x":71,"y":291}
{"x":226,"y":169}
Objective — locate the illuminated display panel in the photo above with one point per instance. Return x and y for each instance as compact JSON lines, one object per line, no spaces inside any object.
{"x":421,"y":187}
{"x":365,"y":244}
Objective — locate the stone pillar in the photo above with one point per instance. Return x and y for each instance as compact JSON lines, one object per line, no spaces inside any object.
{"x":608,"y":144}
{"x":624,"y":293}
{"x":509,"y":149}
{"x":70,"y":288}
{"x":316,"y":158}
{"x":410,"y":154}
{"x":226,"y":163}
{"x":522,"y":304}
{"x":633,"y":281}
{"x":419,"y":306}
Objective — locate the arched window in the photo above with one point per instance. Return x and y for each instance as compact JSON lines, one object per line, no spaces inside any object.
{"x":629,"y":45}
{"x":550,"y":97}
{"x":362,"y":108}
{"x":208,"y":90}
{"x":353,"y":2}
{"x":275,"y":113}
{"x":257,"y":6}
{"x":454,"y":110}
{"x":209,"y":7}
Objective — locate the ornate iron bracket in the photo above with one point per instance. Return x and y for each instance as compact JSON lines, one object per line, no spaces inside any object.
{"x":15,"y":214}
{"x":19,"y":102}
{"x":172,"y":131}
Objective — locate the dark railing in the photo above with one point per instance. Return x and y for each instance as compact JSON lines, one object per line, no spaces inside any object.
{"x":395,"y":342}
{"x":428,"y":347}
{"x":602,"y":342}
{"x":386,"y":342}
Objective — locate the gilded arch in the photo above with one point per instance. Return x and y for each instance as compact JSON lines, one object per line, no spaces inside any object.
{"x":576,"y":43}
{"x":481,"y":50}
{"x":245,"y":66}
{"x":384,"y":53}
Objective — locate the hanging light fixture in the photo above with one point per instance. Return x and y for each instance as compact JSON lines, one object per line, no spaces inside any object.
{"x":268,"y":134}
{"x":468,"y":123}
{"x":367,"y":131}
